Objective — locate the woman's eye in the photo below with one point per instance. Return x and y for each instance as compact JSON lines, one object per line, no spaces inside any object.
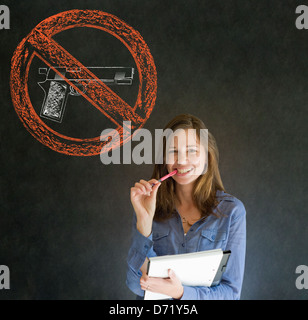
{"x":172,"y":151}
{"x":192,"y":150}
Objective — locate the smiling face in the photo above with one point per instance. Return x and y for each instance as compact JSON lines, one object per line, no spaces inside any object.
{"x":187,"y":155}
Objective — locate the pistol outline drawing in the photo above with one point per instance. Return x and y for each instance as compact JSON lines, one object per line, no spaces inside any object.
{"x":57,"y":90}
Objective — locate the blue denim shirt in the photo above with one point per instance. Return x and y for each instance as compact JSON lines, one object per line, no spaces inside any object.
{"x":227,"y":232}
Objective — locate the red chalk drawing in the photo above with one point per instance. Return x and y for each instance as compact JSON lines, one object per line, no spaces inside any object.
{"x":40,"y":43}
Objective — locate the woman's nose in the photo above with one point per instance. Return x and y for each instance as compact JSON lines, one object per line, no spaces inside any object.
{"x":182,"y":157}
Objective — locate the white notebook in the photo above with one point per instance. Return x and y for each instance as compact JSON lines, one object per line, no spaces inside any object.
{"x":203,"y":268}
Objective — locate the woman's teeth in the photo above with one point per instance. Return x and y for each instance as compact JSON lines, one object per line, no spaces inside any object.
{"x":181,"y":171}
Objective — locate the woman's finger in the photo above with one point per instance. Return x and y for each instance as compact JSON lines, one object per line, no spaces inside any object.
{"x":153,"y":182}
{"x":141,"y":187}
{"x":136,"y":191}
{"x":147,"y":185}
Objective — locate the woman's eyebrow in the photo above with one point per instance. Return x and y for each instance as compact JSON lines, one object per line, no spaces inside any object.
{"x":189,"y":146}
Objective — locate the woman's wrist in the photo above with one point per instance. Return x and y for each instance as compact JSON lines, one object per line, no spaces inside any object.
{"x":179,"y":293}
{"x":145,"y":230}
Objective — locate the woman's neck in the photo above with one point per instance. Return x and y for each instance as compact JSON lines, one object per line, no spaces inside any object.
{"x":185,"y":206}
{"x":184,"y":194}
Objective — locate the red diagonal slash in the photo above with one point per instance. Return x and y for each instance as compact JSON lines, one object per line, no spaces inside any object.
{"x":97,"y":93}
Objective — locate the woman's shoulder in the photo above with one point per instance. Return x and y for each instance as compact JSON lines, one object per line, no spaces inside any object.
{"x":229,"y":204}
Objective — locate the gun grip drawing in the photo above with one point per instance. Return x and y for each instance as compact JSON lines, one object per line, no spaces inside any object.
{"x":57,"y":90}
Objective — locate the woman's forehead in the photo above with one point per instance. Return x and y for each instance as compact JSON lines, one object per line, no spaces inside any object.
{"x":184,"y":137}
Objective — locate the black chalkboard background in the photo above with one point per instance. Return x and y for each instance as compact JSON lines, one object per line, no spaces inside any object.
{"x":240,"y":65}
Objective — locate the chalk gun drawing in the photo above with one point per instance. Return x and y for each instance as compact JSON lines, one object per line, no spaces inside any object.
{"x":57,"y":90}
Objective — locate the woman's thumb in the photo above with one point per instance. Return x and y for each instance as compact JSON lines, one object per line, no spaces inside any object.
{"x":155,"y":188}
{"x":171,"y":274}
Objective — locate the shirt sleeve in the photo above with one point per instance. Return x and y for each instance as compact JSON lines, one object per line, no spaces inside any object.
{"x":140,"y":248}
{"x":231,"y":283}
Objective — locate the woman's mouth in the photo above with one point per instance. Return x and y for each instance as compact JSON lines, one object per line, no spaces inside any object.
{"x":182,"y":172}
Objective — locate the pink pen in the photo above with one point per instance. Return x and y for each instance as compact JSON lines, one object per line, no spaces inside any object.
{"x":166,"y":177}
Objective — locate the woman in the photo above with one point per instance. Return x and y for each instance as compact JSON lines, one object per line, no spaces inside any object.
{"x":186,"y":213}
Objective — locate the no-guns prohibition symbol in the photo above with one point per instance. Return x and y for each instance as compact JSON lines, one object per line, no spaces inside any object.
{"x":40,"y":43}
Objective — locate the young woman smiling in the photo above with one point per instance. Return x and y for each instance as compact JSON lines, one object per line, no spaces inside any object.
{"x":186,"y":213}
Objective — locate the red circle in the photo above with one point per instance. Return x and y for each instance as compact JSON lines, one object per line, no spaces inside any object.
{"x":24,"y":54}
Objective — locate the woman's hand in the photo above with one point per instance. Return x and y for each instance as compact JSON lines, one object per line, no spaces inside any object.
{"x":171,"y":286}
{"x":143,"y":198}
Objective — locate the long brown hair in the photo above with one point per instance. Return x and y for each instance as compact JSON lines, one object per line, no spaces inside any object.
{"x":205,"y":187}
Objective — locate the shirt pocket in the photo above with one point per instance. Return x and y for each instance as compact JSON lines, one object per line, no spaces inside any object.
{"x":212,"y":239}
{"x":161,"y":242}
